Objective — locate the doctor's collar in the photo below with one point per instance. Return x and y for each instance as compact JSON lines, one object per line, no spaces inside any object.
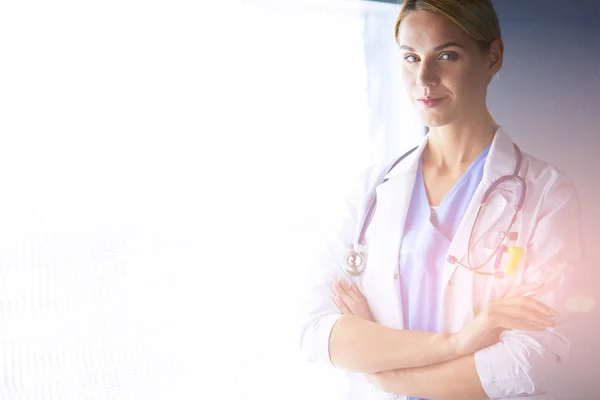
{"x":500,"y":161}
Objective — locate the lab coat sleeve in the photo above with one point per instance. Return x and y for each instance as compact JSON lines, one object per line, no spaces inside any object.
{"x":522,"y":363}
{"x":318,"y":310}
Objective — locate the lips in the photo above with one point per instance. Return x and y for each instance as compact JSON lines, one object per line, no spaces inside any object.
{"x":430,"y":101}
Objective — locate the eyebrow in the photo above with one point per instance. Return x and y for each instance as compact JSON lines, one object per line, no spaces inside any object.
{"x":438,"y":48}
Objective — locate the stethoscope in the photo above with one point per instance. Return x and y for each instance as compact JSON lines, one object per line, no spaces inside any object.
{"x":354,"y":262}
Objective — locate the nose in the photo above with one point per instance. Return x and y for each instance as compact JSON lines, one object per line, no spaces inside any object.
{"x":427,"y":74}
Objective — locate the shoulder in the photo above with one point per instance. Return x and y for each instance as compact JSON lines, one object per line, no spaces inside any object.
{"x":556,"y":211}
{"x":554,"y":186}
{"x":365,"y":181}
{"x":372,"y":175}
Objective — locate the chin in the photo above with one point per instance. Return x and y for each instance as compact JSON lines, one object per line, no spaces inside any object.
{"x":434,"y":121}
{"x":435,"y":117}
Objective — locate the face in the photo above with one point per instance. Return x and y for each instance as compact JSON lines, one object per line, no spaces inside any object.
{"x":445,"y":72}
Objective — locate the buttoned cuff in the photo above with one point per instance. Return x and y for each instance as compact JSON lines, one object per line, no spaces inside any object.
{"x":317,"y":340}
{"x":500,"y":374}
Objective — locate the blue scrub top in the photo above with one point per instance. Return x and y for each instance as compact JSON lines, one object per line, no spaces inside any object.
{"x":427,"y":237}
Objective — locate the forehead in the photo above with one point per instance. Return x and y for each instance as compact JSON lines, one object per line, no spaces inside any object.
{"x":423,"y":30}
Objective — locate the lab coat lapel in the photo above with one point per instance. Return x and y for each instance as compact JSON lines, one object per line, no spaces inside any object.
{"x":458,"y":247}
{"x":393,"y":199}
{"x":500,"y":161}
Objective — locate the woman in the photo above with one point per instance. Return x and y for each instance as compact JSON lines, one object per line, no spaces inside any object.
{"x":419,"y":321}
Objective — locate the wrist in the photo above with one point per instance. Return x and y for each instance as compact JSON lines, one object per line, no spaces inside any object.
{"x":453,"y":345}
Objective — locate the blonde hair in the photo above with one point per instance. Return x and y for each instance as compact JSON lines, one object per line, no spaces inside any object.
{"x":477,"y":18}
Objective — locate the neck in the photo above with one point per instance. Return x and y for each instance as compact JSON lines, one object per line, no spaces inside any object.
{"x":455,"y":145}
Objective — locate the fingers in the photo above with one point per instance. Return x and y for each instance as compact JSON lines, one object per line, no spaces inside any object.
{"x":342,"y":299}
{"x":524,"y":314}
{"x":342,"y":287}
{"x":530,"y":303}
{"x":341,"y":305}
{"x":350,"y":300}
{"x":537,"y":305}
{"x":520,"y":313}
{"x":518,"y":324}
{"x":353,"y":292}
{"x":523,"y":306}
{"x":351,"y":296}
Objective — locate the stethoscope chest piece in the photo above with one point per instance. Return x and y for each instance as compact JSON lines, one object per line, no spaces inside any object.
{"x":353,"y":263}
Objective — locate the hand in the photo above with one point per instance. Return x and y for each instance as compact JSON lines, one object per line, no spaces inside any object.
{"x":350,"y":301}
{"x":513,"y":311}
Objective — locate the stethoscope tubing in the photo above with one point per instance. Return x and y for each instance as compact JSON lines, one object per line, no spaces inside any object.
{"x":357,"y":254}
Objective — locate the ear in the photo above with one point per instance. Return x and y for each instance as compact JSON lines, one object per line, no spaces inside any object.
{"x":495,"y":56}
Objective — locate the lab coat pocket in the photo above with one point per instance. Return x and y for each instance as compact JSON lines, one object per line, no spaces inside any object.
{"x":488,"y":288}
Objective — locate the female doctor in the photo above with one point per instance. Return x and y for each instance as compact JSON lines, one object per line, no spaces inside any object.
{"x":425,"y":293}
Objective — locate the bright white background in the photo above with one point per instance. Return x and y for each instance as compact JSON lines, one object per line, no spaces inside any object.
{"x":167,"y":170}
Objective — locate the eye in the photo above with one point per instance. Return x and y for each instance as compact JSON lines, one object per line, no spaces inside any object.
{"x":448,"y":56}
{"x":411,"y":58}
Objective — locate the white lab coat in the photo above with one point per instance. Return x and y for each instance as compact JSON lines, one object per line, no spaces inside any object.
{"x":548,"y":227}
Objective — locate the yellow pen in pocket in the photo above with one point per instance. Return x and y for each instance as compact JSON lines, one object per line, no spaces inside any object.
{"x":516,"y":253}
